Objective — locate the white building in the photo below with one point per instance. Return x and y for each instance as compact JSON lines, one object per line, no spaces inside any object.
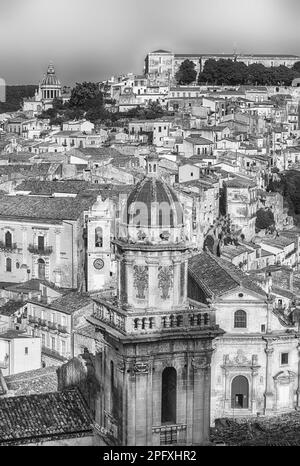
{"x":19,"y":352}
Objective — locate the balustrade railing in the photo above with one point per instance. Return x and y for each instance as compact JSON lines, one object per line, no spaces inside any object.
{"x":8,"y":247}
{"x":46,"y":251}
{"x":110,"y":316}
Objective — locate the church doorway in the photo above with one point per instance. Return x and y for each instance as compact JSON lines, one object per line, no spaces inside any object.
{"x":41,"y":269}
{"x":240,"y":393}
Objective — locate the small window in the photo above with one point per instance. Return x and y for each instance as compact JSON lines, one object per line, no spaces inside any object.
{"x":8,"y":265}
{"x":41,"y":243}
{"x":26,"y":349}
{"x":98,"y":237}
{"x":240,"y":319}
{"x":263,"y":328}
{"x":8,"y":239}
{"x":284,"y":358}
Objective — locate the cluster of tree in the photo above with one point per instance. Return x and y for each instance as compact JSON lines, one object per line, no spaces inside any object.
{"x":186,"y":73}
{"x":234,"y":72}
{"x":87,"y":101}
{"x":289,"y":187}
{"x":15,"y":96}
{"x":264,"y":220}
{"x":152,"y":111}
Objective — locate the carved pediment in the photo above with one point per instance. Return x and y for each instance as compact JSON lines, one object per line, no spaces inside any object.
{"x":240,"y":359}
{"x":285,"y":376}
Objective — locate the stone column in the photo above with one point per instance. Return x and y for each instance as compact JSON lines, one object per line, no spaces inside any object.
{"x":269,"y":395}
{"x":189,"y":401}
{"x":153,"y":281}
{"x":269,"y":312}
{"x":227,"y":394}
{"x":129,"y":288}
{"x":200,"y":405}
{"x":149,"y":406}
{"x":298,"y":384}
{"x":131,"y":426}
{"x":253,"y":390}
{"x":141,"y":370}
{"x":207,"y":398}
{"x":176,"y":282}
{"x":57,"y":245}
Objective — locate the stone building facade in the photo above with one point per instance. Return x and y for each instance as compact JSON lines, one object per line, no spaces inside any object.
{"x":42,"y":237}
{"x":255,"y":362}
{"x":162,"y":62}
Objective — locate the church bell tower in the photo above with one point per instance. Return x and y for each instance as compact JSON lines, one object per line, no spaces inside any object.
{"x":154,"y":368}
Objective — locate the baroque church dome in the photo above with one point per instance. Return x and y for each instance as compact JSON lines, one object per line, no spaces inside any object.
{"x":152,"y":203}
{"x":50,"y":79}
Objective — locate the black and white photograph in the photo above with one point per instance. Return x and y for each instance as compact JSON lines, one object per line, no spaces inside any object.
{"x":149,"y":227}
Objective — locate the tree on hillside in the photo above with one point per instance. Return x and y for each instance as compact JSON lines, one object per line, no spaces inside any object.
{"x":223,"y":72}
{"x":186,"y":73}
{"x":296,"y":67}
{"x":264,"y":219}
{"x":233,"y":73}
{"x":86,"y":100}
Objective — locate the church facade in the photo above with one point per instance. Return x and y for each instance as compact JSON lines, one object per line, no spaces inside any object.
{"x":255,"y":363}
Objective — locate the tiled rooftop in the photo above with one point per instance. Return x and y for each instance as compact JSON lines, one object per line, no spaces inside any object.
{"x":12,"y":334}
{"x":47,"y":416}
{"x":217,"y":276}
{"x":42,"y":380}
{"x":43,"y":208}
{"x":9,"y":308}
{"x":70,"y":302}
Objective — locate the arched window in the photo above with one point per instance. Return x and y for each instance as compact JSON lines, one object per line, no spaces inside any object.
{"x":240,"y":392}
{"x":41,"y":269}
{"x":240,"y":319}
{"x":8,"y":264}
{"x":98,"y":237}
{"x":8,"y":239}
{"x":169,"y":396}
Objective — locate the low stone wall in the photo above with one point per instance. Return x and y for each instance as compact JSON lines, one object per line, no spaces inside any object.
{"x":265,"y":431}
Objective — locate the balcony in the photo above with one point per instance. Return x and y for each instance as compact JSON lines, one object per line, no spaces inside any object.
{"x":33,"y":319}
{"x":54,"y":354}
{"x":62,"y":328}
{"x":46,"y":251}
{"x":8,"y":247}
{"x":52,"y":325}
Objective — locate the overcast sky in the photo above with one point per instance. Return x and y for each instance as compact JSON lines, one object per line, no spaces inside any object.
{"x":93,"y":39}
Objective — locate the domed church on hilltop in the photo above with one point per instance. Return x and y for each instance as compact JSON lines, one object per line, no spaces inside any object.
{"x":49,"y":89}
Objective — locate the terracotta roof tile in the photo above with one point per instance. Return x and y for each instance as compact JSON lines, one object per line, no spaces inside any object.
{"x":32,"y":418}
{"x":216,"y":276}
{"x":42,"y":380}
